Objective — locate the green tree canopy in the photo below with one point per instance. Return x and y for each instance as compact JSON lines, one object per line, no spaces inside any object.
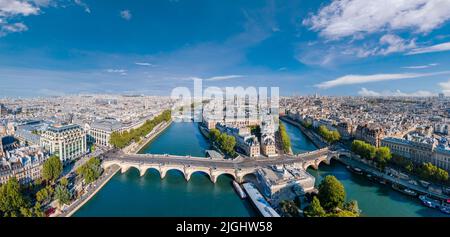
{"x":315,"y":209}
{"x":285,"y":139}
{"x":91,"y":170}
{"x":52,"y":169}
{"x":62,"y":194}
{"x":331,"y":193}
{"x":44,"y":195}
{"x":289,"y":208}
{"x":11,"y":198}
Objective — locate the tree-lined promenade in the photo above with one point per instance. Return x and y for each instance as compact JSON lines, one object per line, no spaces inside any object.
{"x":285,"y":140}
{"x":31,"y":200}
{"x":382,"y":157}
{"x":226,"y":143}
{"x":122,"y":139}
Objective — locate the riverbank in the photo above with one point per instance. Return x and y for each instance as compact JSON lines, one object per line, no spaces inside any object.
{"x":361,"y":188}
{"x":135,"y":148}
{"x":316,"y":139}
{"x":94,"y":187}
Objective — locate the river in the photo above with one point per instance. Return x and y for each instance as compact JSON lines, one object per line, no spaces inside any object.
{"x":374,"y":199}
{"x":131,"y":195}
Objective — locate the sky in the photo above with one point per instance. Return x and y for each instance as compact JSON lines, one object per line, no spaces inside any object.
{"x":330,"y":47}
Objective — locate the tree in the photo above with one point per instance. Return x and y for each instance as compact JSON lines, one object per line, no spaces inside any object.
{"x":343,"y":213}
{"x":383,"y":156}
{"x":329,"y":136}
{"x":331,"y":193}
{"x":315,"y":209}
{"x":289,"y":208}
{"x":285,"y":139}
{"x":44,"y":195}
{"x":62,"y":194}
{"x":11,"y":199}
{"x":52,"y":169}
{"x":214,"y":134}
{"x":91,"y":170}
{"x":352,"y":206}
{"x":123,"y":139}
{"x":227,"y":143}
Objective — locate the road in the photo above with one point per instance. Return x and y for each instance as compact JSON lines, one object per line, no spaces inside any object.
{"x":202,"y":162}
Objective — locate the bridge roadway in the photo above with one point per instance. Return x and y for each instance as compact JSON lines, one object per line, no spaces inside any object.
{"x":236,"y":168}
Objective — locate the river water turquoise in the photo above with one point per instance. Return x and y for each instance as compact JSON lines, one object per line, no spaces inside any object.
{"x":131,"y":195}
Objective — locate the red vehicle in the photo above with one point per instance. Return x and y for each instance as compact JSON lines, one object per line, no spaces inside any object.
{"x":50,"y":211}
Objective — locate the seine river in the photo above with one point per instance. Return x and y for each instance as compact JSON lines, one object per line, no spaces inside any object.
{"x":131,"y":195}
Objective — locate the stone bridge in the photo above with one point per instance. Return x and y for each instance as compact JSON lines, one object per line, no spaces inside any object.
{"x":237,"y":168}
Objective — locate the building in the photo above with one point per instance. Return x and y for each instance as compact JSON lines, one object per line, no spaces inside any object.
{"x":100,"y":131}
{"x":268,"y":146}
{"x":25,"y":164}
{"x":3,"y":110}
{"x":244,"y":140}
{"x":283,"y":178}
{"x":345,"y":129}
{"x":420,"y":149}
{"x":369,"y":133}
{"x":68,"y":142}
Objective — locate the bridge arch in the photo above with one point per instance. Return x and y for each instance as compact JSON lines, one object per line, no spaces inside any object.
{"x":143,"y":170}
{"x":167,"y":169}
{"x":224,"y":173}
{"x":189,"y":174}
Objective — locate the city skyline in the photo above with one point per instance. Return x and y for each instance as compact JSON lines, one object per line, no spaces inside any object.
{"x":330,"y":47}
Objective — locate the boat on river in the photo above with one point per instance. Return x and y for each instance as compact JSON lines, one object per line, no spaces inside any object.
{"x":430,"y":202}
{"x":404,"y":190}
{"x":355,"y":170}
{"x":239,"y":190}
{"x":445,"y":208}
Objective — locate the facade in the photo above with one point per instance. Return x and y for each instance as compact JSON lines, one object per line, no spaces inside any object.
{"x":268,"y":146}
{"x":420,"y":149}
{"x":101,"y":130}
{"x":370,"y":134}
{"x":68,"y":142}
{"x":244,"y":140}
{"x":25,"y":164}
{"x":279,"y":178}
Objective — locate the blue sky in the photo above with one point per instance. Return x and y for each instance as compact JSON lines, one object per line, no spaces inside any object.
{"x":347,"y":47}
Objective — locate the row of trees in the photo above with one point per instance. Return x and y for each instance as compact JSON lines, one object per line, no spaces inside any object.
{"x":329,"y":136}
{"x":91,"y":170}
{"x":121,"y":140}
{"x":285,"y":139}
{"x":14,"y":202}
{"x":426,"y":171}
{"x":330,"y":202}
{"x":223,"y":141}
{"x":381,"y":155}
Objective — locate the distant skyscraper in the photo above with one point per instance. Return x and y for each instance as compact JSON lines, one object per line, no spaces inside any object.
{"x":441,"y":95}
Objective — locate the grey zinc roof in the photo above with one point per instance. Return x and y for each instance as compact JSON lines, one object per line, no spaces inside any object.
{"x":107,"y":125}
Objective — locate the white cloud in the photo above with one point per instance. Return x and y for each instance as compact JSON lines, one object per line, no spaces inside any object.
{"x":17,"y":7}
{"x":445,"y":87}
{"x":421,"y":66}
{"x":10,"y":10}
{"x":431,"y":49}
{"x":122,"y":72}
{"x":126,"y":14}
{"x":83,"y":5}
{"x":395,"y":44}
{"x":420,"y":93}
{"x":221,"y":78}
{"x":361,"y":79}
{"x":356,"y":18}
{"x":144,"y":64}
